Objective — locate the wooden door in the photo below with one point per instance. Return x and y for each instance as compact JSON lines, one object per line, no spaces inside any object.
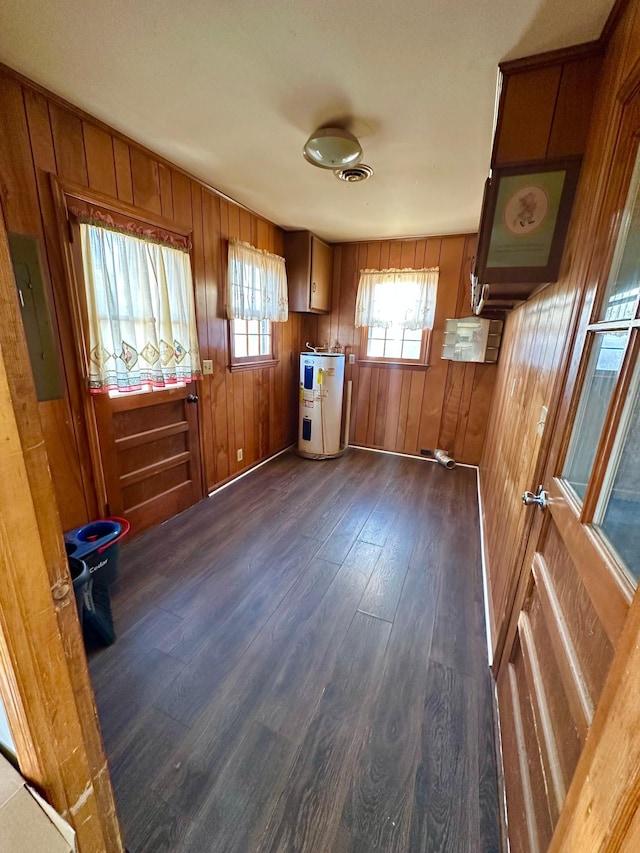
{"x":145,"y":446}
{"x":150,"y":452}
{"x":554,"y":682}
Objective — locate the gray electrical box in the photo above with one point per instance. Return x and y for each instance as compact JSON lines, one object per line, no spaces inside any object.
{"x":25,"y":256}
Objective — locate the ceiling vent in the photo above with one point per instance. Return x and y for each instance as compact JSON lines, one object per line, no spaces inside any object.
{"x":354,"y":174}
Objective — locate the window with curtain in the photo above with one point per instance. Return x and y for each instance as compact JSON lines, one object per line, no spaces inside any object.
{"x":395,"y":310}
{"x":141,"y":312}
{"x":256,"y":299}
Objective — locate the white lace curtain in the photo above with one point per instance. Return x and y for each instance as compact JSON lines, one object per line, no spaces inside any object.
{"x":257,"y":284}
{"x":402,"y":299}
{"x":142,"y":322}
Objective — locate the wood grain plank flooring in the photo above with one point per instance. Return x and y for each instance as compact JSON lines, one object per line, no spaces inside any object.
{"x":300,"y":667}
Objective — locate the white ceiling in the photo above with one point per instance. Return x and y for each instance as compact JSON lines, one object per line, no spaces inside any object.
{"x":230,"y":90}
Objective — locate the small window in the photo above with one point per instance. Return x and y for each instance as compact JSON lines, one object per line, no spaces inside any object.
{"x":140,"y":312}
{"x":395,"y":344}
{"x":395,"y":309}
{"x":251,"y":339}
{"x":256,"y":302}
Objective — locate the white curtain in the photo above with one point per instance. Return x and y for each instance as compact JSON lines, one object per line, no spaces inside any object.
{"x":257,"y":284}
{"x":402,"y":299}
{"x":142,"y":322}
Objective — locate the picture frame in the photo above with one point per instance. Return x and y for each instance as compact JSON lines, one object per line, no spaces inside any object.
{"x":526,"y":211}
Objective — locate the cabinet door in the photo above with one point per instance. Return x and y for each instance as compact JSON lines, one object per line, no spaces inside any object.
{"x":321,"y":271}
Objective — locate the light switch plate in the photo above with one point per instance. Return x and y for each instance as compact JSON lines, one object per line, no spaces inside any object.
{"x":352,"y":358}
{"x":543,"y":420}
{"x":207,"y":366}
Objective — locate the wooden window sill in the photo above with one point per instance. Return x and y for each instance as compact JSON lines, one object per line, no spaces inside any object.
{"x":393,"y":365}
{"x":239,"y":366}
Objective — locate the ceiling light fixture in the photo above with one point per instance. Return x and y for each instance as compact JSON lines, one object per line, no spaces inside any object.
{"x":332,"y":148}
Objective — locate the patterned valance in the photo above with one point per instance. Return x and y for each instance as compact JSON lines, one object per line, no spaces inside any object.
{"x":89,"y":215}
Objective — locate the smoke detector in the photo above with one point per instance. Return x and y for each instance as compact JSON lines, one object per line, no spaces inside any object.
{"x":354,"y":174}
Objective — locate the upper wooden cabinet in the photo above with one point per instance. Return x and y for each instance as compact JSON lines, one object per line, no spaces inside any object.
{"x":309,"y":272}
{"x":544,"y":113}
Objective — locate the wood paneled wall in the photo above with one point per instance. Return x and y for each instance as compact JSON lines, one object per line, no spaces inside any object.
{"x":406,"y":409}
{"x":254,"y":410}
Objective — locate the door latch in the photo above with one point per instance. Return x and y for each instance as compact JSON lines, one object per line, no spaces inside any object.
{"x":540,"y":499}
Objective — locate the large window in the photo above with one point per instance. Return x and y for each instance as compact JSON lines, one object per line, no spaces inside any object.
{"x":607,"y":421}
{"x":256,"y":301}
{"x":395,"y":310}
{"x":140,"y":312}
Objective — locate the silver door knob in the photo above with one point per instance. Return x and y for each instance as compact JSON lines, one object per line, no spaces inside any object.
{"x":540,"y":499}
{"x":192,"y":398}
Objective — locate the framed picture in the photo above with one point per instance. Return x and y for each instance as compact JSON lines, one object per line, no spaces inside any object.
{"x":525,"y":217}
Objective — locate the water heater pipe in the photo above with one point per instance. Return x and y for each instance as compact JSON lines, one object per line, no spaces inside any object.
{"x":444,"y":459}
{"x":347,"y":419}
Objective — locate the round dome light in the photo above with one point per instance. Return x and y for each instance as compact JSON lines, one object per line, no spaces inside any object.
{"x":332,"y":148}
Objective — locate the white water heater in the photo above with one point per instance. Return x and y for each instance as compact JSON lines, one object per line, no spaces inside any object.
{"x":321,"y":383}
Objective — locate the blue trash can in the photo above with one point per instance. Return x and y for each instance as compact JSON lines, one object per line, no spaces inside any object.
{"x":97,"y":545}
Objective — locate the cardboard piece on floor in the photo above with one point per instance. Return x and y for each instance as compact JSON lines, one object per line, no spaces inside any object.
{"x":27,"y":823}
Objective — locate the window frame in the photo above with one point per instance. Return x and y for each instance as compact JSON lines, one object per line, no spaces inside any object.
{"x":68,"y":197}
{"x":422,"y":363}
{"x":252,"y":362}
{"x":584,"y":511}
{"x":423,"y":360}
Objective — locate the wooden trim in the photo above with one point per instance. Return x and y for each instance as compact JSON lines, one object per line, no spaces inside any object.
{"x":71,"y":260}
{"x":142,"y":399}
{"x":94,"y":198}
{"x":250,"y":364}
{"x":156,"y":468}
{"x":105,"y":435}
{"x":128,"y":441}
{"x":393,"y":365}
{"x":405,"y":239}
{"x":551,"y":57}
{"x":617,"y":11}
{"x":45,"y":683}
{"x":610,"y":428}
{"x":565,"y":654}
{"x":157,"y":499}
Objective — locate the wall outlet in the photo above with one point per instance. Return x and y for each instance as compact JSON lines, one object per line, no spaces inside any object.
{"x":424,"y":451}
{"x":352,"y":358}
{"x":207,"y":366}
{"x":240,"y":455}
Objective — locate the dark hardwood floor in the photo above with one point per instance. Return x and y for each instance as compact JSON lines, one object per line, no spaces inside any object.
{"x":301,"y":666}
